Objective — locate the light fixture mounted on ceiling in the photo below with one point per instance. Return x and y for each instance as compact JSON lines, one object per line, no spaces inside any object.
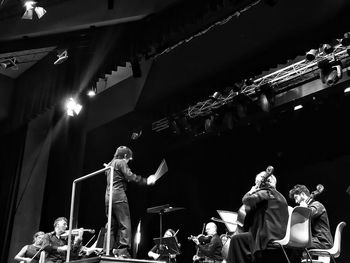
{"x":9,"y":63}
{"x":31,"y":7}
{"x":62,"y":56}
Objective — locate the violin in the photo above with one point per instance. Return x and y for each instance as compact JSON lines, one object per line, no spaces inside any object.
{"x":75,"y":232}
{"x":201,"y":238}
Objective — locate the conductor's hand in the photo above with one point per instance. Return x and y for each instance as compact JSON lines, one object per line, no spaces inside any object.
{"x":151,"y":180}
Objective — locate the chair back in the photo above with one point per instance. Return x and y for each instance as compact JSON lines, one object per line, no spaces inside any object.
{"x":300,"y":227}
{"x":335,"y":250}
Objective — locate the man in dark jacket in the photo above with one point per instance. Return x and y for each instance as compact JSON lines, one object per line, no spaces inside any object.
{"x":121,"y":225}
{"x":266,"y":220}
{"x":320,"y":230}
{"x":210,"y":250}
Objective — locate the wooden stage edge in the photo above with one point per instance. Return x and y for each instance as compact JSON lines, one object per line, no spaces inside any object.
{"x":106,"y":259}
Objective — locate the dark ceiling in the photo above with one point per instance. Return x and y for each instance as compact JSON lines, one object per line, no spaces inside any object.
{"x":256,"y":40}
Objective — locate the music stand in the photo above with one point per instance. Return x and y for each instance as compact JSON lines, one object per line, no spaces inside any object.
{"x":161,"y":210}
{"x":167,"y":246}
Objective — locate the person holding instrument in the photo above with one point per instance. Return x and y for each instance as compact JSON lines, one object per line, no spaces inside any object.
{"x":56,"y":246}
{"x":31,"y":253}
{"x":320,"y":230}
{"x":121,"y":225}
{"x":209,"y":246}
{"x":155,"y":252}
{"x":268,"y":217}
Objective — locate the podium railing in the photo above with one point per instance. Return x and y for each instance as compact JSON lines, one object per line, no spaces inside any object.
{"x":109,"y":208}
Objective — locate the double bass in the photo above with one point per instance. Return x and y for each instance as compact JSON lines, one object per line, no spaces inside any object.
{"x":244,"y":209}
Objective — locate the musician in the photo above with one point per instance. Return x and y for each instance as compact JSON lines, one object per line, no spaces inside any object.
{"x":155,"y":252}
{"x":31,"y":253}
{"x":211,"y":249}
{"x":56,"y":246}
{"x":266,"y":220}
{"x":121,"y":225}
{"x":320,"y":230}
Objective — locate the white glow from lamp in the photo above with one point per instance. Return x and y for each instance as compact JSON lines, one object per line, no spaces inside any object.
{"x":30,"y":6}
{"x":73,"y":107}
{"x":91,"y":93}
{"x":347,"y":90}
{"x":298,"y":107}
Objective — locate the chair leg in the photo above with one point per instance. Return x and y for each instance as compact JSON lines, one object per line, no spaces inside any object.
{"x":284,"y":252}
{"x":333,"y":259}
{"x":308,"y":255}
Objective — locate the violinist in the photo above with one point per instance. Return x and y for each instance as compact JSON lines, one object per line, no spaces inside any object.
{"x":268,"y":217}
{"x":209,"y":246}
{"x":31,"y":253}
{"x":55,"y":242}
{"x":320,"y":230}
{"x":156,"y":254}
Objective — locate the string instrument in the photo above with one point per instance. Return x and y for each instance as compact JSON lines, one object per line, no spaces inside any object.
{"x":201,"y":238}
{"x":75,"y":232}
{"x":196,"y":257}
{"x":244,"y":209}
{"x":319,"y":190}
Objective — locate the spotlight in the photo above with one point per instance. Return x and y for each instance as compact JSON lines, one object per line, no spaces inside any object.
{"x":330,"y":72}
{"x":298,"y":107}
{"x":136,"y":134}
{"x":346,"y":39}
{"x":62,"y":56}
{"x":92,"y":92}
{"x":311,"y":55}
{"x":72,"y":107}
{"x":215,"y":96}
{"x":266,"y":97}
{"x":327,"y":48}
{"x":30,"y":6}
{"x":9,"y":63}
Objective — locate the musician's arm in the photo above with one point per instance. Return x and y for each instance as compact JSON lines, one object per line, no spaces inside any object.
{"x":316,"y":209}
{"x":21,"y":255}
{"x":252,"y":199}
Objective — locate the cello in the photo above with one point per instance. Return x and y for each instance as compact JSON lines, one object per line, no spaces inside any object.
{"x":244,"y":209}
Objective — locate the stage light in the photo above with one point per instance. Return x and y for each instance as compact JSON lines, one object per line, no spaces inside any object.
{"x":72,"y":107}
{"x":31,"y":7}
{"x":9,"y":63}
{"x":327,"y":48}
{"x":62,"y":56}
{"x":330,"y":71}
{"x":91,"y":93}
{"x":266,"y":97}
{"x":298,"y":107}
{"x":216,"y":96}
{"x":311,"y":54}
{"x":136,"y":134}
{"x":346,"y":39}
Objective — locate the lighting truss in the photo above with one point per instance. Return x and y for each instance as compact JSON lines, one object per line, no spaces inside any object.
{"x":275,"y":79}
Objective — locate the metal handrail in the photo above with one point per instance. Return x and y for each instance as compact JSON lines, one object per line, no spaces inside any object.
{"x":109,"y":208}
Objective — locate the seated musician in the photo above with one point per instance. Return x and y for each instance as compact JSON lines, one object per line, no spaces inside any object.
{"x":156,"y":253}
{"x":31,"y":253}
{"x":320,"y":230}
{"x":56,"y":246}
{"x":266,"y":220}
{"x":211,"y":248}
